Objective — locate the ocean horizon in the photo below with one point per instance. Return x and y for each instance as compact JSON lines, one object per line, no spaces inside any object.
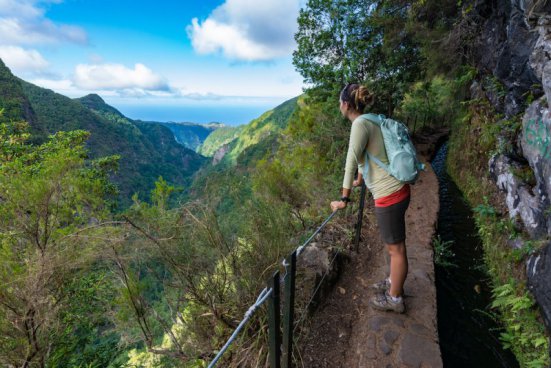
{"x":202,"y":114}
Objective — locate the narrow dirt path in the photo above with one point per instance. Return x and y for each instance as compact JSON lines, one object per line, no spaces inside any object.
{"x":346,"y":332}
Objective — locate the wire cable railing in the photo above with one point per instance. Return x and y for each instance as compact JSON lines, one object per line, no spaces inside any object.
{"x":264,"y":294}
{"x":281,"y":346}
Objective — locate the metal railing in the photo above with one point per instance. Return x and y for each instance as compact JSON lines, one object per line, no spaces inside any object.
{"x":281,"y":345}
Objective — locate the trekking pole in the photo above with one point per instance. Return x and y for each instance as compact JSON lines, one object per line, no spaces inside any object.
{"x":360,"y":218}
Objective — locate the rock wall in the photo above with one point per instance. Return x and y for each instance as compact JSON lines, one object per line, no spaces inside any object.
{"x":505,"y":44}
{"x":538,"y":269}
{"x":514,"y":47}
{"x":220,"y":153}
{"x":529,"y":203}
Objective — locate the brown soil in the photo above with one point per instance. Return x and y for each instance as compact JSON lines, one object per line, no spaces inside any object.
{"x":344,"y":331}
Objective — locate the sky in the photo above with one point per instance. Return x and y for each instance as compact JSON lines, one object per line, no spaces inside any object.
{"x":178,"y":60}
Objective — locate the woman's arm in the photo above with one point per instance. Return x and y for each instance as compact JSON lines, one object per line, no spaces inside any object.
{"x":356,"y":146}
{"x":359,"y":136}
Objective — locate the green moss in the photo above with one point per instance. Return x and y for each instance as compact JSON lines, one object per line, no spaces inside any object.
{"x":523,"y":331}
{"x":493,"y":85}
{"x":470,"y":146}
{"x":525,"y":174}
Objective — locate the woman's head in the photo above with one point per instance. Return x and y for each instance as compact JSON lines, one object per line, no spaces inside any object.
{"x":355,"y":98}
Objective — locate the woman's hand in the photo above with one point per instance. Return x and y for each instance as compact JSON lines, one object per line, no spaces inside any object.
{"x":357,"y":182}
{"x":338,"y":205}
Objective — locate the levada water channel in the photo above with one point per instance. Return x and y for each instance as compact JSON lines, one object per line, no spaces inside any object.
{"x":468,"y":334}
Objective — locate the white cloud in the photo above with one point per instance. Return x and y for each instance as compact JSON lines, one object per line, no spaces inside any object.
{"x":21,"y":8}
{"x":110,"y":79}
{"x":136,"y":81}
{"x":21,"y":60}
{"x":247,"y":29}
{"x":197,"y":96}
{"x":22,"y":22}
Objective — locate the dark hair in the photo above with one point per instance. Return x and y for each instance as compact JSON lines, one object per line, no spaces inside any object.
{"x":357,"y":96}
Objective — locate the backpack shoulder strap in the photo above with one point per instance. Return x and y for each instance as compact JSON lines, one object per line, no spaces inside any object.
{"x":376,"y":119}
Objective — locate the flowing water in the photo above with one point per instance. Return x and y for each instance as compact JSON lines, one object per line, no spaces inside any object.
{"x":468,"y":334}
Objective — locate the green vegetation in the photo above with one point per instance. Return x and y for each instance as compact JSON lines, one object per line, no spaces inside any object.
{"x":524,"y":332}
{"x":219,"y":138}
{"x":358,"y":41}
{"x":524,"y":336}
{"x":443,"y":255}
{"x":191,"y":135}
{"x":259,"y":131}
{"x":109,"y":113}
{"x":472,"y":142}
{"x":429,"y":103}
{"x":164,"y":281}
{"x":14,"y":103}
{"x":51,"y":201}
{"x":147,"y":151}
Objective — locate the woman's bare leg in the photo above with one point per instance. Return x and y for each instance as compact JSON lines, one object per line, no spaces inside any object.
{"x":398,"y":268}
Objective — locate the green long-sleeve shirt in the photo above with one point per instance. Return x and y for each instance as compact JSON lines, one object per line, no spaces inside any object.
{"x":366,"y":135}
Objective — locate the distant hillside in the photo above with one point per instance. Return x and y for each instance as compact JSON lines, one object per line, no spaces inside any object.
{"x":191,"y":135}
{"x":147,"y":151}
{"x":240,"y":144}
{"x":256,"y":138}
{"x":235,"y":152}
{"x":219,"y":138}
{"x":98,"y":105}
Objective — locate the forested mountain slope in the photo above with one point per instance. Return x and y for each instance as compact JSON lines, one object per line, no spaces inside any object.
{"x":14,"y":102}
{"x":191,"y":135}
{"x":220,"y":137}
{"x":163,"y":286}
{"x":255,"y":136}
{"x":146,"y":151}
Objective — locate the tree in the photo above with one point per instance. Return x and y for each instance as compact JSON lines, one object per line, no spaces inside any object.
{"x":363,"y":41}
{"x":49,"y":196}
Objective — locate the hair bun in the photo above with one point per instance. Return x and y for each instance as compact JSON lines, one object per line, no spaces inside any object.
{"x":364,"y":97}
{"x":357,"y":96}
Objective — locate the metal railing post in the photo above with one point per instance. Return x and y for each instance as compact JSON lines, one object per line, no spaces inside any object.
{"x":270,"y":294}
{"x":289,"y":310}
{"x":360,"y":218}
{"x":274,"y":331}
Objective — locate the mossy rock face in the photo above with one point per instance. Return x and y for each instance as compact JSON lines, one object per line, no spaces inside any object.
{"x":535,"y":141}
{"x":539,"y":281}
{"x":520,"y":199}
{"x":473,"y":150}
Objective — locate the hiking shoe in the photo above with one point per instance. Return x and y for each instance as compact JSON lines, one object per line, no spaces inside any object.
{"x":384,"y":302}
{"x":382,"y":285}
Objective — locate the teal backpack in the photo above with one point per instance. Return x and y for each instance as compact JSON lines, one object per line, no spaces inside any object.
{"x":400,"y":151}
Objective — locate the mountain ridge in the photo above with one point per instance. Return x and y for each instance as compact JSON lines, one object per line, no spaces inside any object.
{"x":147,"y":152}
{"x":189,"y":134}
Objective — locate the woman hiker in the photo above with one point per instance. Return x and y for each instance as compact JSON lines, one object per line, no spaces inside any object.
{"x":391,"y":195}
